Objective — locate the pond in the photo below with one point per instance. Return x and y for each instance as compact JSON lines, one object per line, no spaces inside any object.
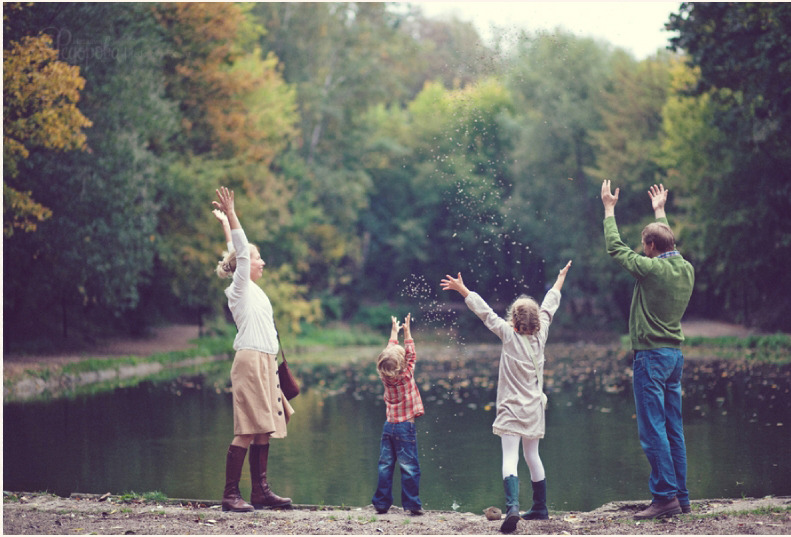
{"x":172,"y":437}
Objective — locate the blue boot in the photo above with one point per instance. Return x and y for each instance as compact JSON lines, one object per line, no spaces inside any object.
{"x":539,"y":510}
{"x":511,"y":486}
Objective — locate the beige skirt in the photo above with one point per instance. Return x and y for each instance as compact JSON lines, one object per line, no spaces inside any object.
{"x":259,"y":406}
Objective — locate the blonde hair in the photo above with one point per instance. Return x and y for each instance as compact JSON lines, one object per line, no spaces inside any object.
{"x":227,"y":265}
{"x":523,"y":315}
{"x":391,"y":362}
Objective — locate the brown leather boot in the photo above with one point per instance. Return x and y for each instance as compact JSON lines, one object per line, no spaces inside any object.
{"x":231,"y":497}
{"x":261,"y":495}
{"x":660,"y":509}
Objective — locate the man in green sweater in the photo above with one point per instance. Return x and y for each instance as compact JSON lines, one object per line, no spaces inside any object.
{"x":664,"y":282}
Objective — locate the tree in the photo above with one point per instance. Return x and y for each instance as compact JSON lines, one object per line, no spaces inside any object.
{"x":744,"y":47}
{"x":40,"y":96}
{"x":448,"y":51}
{"x":342,"y":58}
{"x":239,"y":116}
{"x":560,"y":83}
{"x":743,"y":55}
{"x":83,"y":270}
{"x":440,"y":173}
{"x":627,"y":150}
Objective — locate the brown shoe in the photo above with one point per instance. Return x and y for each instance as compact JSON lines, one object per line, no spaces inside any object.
{"x":686,"y":508}
{"x":231,"y":497}
{"x":261,"y":495}
{"x":659,"y":509}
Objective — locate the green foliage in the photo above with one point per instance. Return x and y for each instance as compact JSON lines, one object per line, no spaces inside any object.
{"x":91,"y":260}
{"x":373,"y":151}
{"x":312,"y":335}
{"x":377,"y":317}
{"x":770,"y":348}
{"x":155,"y":496}
{"x":132,"y":496}
{"x":40,"y":95}
{"x":627,"y":149}
{"x":440,"y":172}
{"x":741,"y":175}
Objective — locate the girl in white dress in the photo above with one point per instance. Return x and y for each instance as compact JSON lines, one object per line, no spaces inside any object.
{"x":520,"y":399}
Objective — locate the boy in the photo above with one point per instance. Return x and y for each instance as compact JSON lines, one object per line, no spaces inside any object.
{"x":396,"y":367}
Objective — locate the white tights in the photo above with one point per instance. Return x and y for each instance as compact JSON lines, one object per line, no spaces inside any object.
{"x":511,"y":456}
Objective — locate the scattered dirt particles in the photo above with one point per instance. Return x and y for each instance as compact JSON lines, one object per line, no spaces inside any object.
{"x":46,"y":514}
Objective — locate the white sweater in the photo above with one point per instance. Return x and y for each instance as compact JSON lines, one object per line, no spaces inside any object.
{"x":249,"y":305}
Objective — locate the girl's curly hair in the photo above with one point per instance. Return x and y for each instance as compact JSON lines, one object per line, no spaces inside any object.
{"x":523,"y":315}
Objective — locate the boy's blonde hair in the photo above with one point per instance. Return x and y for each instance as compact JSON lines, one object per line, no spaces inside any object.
{"x":391,"y":362}
{"x":523,"y":316}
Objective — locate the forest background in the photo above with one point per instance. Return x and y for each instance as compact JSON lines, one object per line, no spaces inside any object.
{"x":374,"y":150}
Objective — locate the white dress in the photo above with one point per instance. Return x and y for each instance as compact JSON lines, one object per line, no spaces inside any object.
{"x":520,"y":409}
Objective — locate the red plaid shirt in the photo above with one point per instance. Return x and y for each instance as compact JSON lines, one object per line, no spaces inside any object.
{"x":402,"y":397}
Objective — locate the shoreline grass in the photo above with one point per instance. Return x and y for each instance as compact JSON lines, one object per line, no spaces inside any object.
{"x":330,"y":346}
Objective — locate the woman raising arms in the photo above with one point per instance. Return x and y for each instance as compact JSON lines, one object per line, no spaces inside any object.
{"x":260,"y":410}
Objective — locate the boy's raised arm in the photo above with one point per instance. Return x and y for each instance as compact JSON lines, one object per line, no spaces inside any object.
{"x":407,"y":327}
{"x":395,"y":327}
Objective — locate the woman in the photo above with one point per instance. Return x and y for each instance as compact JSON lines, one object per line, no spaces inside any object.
{"x":260,"y":410}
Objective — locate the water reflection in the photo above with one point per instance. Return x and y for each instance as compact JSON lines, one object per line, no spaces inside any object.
{"x":156,"y":437}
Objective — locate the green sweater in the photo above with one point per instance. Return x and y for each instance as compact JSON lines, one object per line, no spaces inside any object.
{"x":661,"y":292}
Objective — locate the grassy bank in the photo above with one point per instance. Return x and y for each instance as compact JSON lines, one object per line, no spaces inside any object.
{"x":770,"y":348}
{"x":316,"y":354}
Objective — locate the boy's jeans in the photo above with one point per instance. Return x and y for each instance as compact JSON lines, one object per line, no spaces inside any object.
{"x":657,"y":397}
{"x":399,"y":442}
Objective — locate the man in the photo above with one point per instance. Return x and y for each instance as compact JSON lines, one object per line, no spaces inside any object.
{"x":663,"y":286}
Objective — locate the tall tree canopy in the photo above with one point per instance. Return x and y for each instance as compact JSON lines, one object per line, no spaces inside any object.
{"x":742,"y":53}
{"x":40,"y":96}
{"x":373,"y":150}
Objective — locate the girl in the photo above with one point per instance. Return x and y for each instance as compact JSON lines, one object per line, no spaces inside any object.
{"x":520,"y":401}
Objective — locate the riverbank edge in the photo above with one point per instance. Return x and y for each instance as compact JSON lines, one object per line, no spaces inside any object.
{"x":45,"y":513}
{"x":47,"y":382}
{"x":28,"y":387}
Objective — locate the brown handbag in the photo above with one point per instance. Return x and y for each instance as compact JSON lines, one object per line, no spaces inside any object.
{"x":288,"y":383}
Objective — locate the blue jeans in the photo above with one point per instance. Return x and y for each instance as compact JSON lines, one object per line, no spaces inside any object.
{"x":399,"y":442}
{"x":657,"y":397}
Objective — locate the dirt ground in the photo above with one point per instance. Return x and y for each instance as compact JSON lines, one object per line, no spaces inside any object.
{"x":44,"y":514}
